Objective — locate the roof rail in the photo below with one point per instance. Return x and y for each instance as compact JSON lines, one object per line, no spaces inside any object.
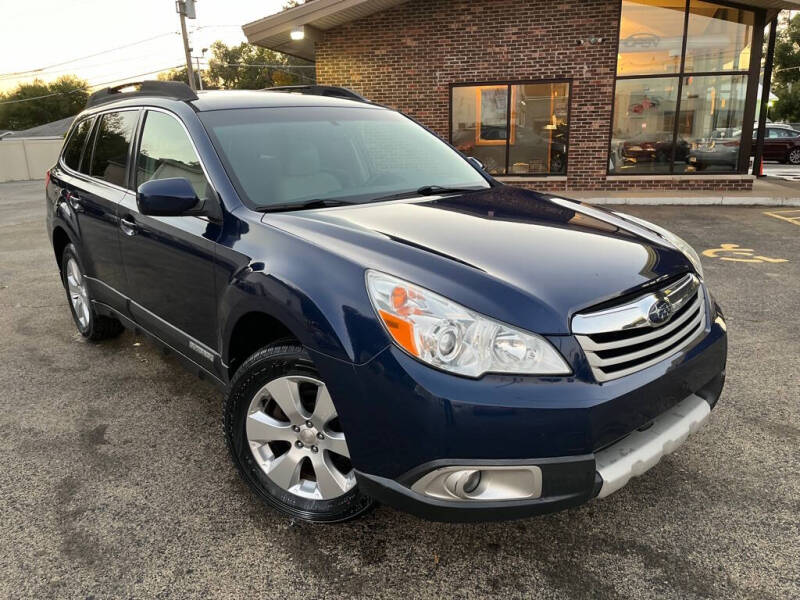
{"x":177,"y":90}
{"x":319,"y":90}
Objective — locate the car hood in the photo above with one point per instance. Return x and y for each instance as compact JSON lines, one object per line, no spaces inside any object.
{"x":520,"y":256}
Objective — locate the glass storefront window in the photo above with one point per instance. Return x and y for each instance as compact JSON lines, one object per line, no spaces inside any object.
{"x":644,"y":125}
{"x":672,"y":48}
{"x":480,"y":124}
{"x":719,"y":38}
{"x":530,"y":140}
{"x":651,"y":37}
{"x":539,"y":124}
{"x":710,"y":122}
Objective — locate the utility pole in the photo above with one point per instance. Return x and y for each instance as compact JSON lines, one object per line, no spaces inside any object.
{"x":185,"y":9}
{"x":199,"y":72}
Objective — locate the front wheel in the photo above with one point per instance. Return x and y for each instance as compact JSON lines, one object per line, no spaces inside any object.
{"x":794,"y":156}
{"x":285,"y":438}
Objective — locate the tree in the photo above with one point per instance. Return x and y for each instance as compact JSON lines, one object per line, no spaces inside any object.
{"x":181,"y":75}
{"x":786,"y":72}
{"x":249,"y":67}
{"x":37,"y":103}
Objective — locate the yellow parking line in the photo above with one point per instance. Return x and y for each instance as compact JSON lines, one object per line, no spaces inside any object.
{"x":783,"y":215}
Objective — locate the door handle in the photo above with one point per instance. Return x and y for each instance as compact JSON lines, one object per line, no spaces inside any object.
{"x":128,"y":225}
{"x":75,"y":201}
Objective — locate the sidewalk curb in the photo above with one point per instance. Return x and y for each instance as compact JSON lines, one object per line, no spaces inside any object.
{"x":695,"y":201}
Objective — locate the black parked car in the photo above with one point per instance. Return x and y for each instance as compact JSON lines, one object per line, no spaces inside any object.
{"x":387,"y":321}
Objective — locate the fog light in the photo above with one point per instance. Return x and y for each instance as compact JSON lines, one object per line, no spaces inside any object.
{"x":472,"y":482}
{"x":462,"y":483}
{"x":484,"y":483}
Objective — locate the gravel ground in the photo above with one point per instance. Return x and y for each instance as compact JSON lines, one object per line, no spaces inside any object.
{"x":116,"y":483}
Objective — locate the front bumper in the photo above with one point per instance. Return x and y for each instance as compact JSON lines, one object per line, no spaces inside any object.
{"x":570,"y":480}
{"x":403,"y":420}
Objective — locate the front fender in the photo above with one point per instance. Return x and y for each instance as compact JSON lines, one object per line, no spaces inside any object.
{"x":318,"y":296}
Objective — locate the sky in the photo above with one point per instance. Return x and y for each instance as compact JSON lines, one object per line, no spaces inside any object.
{"x":43,"y":33}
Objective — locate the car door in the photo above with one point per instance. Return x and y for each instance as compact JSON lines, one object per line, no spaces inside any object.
{"x":169,"y":261}
{"x":775,"y":144}
{"x":94,"y":194}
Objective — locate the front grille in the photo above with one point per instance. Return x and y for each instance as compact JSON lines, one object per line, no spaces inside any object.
{"x":624,"y":339}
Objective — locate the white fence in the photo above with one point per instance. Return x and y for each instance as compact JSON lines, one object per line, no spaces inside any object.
{"x":27,"y":158}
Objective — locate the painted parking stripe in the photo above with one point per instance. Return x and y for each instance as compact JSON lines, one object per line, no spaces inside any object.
{"x":793,"y":216}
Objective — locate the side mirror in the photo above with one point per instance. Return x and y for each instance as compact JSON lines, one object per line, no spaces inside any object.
{"x":476,"y":163}
{"x":167,"y":198}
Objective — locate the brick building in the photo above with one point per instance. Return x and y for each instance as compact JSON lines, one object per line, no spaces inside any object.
{"x":555,"y":94}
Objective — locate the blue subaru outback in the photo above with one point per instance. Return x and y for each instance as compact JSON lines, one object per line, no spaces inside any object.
{"x":388,"y":322}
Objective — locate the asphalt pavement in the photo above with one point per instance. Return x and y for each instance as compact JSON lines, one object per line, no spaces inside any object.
{"x":116,"y":483}
{"x":782,"y":172}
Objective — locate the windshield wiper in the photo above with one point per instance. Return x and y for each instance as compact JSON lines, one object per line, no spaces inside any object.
{"x":308,"y":204}
{"x":426,"y":190}
{"x":431,"y":190}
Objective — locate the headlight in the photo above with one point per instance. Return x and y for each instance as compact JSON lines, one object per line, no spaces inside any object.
{"x":448,"y":336}
{"x":673,"y":239}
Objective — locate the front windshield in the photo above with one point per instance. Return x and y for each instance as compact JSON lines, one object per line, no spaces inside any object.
{"x":294,"y":155}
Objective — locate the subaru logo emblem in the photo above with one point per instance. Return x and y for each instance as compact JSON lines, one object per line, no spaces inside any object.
{"x":659,"y":312}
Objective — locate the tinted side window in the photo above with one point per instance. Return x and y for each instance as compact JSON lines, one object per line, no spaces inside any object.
{"x":75,"y":144}
{"x":165,"y":152}
{"x":114,"y":133}
{"x":87,"y":152}
{"x":778,"y":133}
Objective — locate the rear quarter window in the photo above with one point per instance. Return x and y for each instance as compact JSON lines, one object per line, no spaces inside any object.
{"x":73,"y":149}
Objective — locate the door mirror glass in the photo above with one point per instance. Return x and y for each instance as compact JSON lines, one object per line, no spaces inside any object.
{"x":167,"y":198}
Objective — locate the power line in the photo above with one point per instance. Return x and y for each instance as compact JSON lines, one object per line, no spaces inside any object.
{"x":95,"y":85}
{"x":52,"y":72}
{"x":66,"y":62}
{"x":278,"y":67}
{"x":275,"y":66}
{"x":40,"y":97}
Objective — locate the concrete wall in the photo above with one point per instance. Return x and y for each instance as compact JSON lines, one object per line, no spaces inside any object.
{"x":27,"y":158}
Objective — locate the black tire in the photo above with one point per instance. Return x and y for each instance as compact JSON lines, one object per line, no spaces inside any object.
{"x":793,"y":157}
{"x":99,"y":327}
{"x":274,"y":361}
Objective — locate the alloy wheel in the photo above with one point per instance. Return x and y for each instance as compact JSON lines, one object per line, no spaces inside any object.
{"x":794,"y":156}
{"x":294,"y":435}
{"x":78,"y":293}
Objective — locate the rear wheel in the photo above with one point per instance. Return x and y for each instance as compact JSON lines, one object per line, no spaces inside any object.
{"x":90,"y":325}
{"x":285,"y":438}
